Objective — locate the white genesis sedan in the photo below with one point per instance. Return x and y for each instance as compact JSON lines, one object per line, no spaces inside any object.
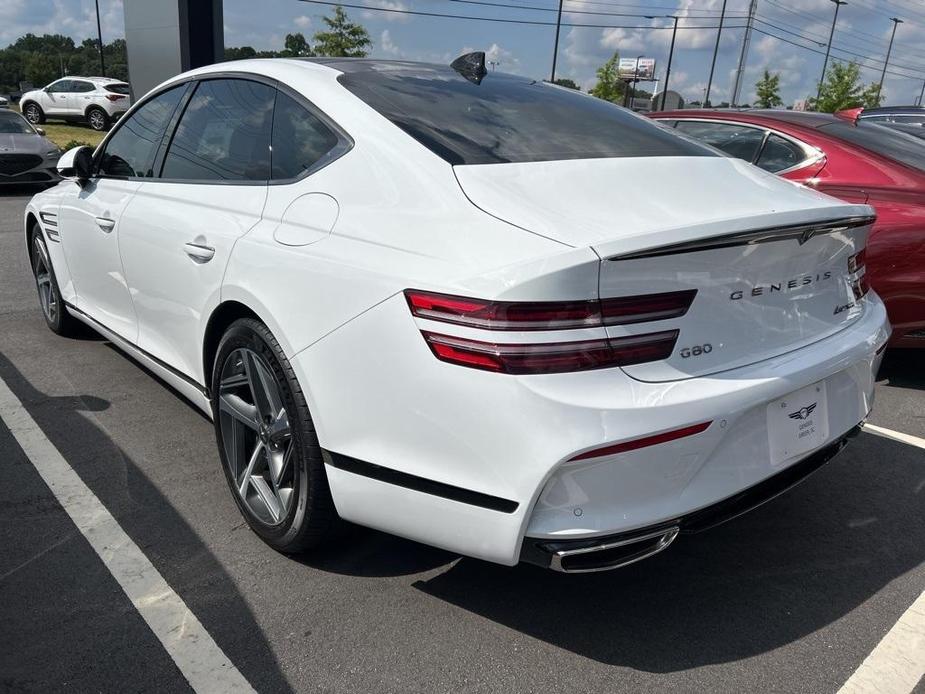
{"x":475,"y":310}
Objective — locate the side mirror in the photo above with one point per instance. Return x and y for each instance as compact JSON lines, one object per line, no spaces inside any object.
{"x":76,"y":164}
{"x":40,"y":131}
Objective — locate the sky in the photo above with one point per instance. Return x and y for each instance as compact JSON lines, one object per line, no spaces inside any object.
{"x":789,"y":36}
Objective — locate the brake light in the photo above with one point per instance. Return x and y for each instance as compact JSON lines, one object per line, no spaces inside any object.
{"x":552,"y":357}
{"x":856,"y":264}
{"x":856,"y":261}
{"x":115,"y":97}
{"x":644,"y":442}
{"x":548,"y":315}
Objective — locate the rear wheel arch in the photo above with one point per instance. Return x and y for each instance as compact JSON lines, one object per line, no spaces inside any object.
{"x":222,"y":317}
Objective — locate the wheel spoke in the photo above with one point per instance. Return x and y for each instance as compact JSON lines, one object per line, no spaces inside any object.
{"x":267,"y":496}
{"x":241,"y":411}
{"x":279,"y":464}
{"x":248,"y":475}
{"x":279,"y":432}
{"x":233,"y":381}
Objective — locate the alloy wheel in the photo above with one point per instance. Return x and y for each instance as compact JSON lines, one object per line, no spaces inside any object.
{"x":32,"y":114}
{"x":256,"y":436}
{"x":43,"y":282}
{"x":97,"y":121}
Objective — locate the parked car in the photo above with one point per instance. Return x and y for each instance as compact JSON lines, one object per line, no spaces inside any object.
{"x":98,"y":101}
{"x":414,"y":297}
{"x":910,"y":115}
{"x":857,"y":161}
{"x":4,"y":102}
{"x":909,"y":128}
{"x":26,"y":155}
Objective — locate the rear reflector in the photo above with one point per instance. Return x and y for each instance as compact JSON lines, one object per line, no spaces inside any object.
{"x":552,"y":357}
{"x":636,"y":444}
{"x":548,"y":315}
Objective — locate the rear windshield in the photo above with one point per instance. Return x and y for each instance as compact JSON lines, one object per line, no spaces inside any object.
{"x":882,"y":140}
{"x":118,"y":89}
{"x":506,"y":118}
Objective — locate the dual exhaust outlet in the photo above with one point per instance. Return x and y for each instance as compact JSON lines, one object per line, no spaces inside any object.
{"x":602,"y":554}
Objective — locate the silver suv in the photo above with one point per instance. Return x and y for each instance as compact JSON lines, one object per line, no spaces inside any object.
{"x":97,"y":100}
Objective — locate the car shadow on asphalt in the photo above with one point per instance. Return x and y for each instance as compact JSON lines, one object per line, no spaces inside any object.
{"x":903,"y":368}
{"x":764,"y":580}
{"x":138,"y":506}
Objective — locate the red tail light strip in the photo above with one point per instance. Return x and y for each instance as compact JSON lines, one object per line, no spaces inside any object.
{"x":548,"y":315}
{"x":554,"y":357}
{"x":115,"y":97}
{"x":644,"y":442}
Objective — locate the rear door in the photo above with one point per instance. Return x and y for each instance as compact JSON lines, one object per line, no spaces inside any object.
{"x":80,"y":97}
{"x":179,"y":229}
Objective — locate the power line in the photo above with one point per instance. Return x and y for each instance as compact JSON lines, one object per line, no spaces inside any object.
{"x":534,"y":8}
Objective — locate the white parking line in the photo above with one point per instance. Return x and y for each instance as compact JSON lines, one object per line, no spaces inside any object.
{"x":895,"y":435}
{"x":897,"y":664}
{"x":198,"y":657}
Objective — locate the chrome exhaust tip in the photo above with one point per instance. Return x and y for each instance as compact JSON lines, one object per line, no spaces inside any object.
{"x":611,"y":554}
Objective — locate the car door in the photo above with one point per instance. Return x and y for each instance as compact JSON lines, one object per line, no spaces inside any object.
{"x":79,"y":97}
{"x":90,"y":216}
{"x":55,"y":98}
{"x":179,"y":230}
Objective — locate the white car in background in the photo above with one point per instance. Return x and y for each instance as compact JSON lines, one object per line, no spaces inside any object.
{"x":98,"y":101}
{"x":475,"y":310}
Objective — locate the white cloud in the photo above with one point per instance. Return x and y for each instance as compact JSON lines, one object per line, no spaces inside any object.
{"x":396,"y":16}
{"x":303,"y":21}
{"x":387,"y":45}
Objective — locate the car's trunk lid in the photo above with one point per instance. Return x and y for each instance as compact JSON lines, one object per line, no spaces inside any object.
{"x":769,"y":259}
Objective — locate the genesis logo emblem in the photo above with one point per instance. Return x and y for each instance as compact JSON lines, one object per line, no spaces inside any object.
{"x":803,"y":412}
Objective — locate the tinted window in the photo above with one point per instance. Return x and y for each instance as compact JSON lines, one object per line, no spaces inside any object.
{"x":224,"y":133}
{"x":735,"y":140}
{"x":779,"y":154}
{"x":881,"y":140}
{"x":300,"y":139}
{"x":131,"y":149}
{"x":78,"y":86}
{"x":60,"y":87}
{"x":118,"y":89}
{"x":505,"y":118}
{"x":13,"y":123}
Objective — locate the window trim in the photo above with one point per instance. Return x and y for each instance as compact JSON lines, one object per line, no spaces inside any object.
{"x":813,"y":154}
{"x":344,"y":145}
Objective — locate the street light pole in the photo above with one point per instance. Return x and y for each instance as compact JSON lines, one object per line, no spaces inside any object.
{"x":99,"y":34}
{"x":555,"y":49}
{"x":722,"y":16}
{"x":896,"y":23}
{"x":828,"y":47}
{"x":674,"y":34}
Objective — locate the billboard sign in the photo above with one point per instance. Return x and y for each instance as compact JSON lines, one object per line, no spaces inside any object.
{"x":628,"y":69}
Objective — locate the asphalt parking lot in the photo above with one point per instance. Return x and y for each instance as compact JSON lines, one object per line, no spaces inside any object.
{"x":790,"y":598}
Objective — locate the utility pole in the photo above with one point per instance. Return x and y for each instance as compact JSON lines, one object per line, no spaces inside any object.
{"x":896,"y":23}
{"x":722,"y":16}
{"x":828,"y":47}
{"x":740,"y":72}
{"x":555,"y":49}
{"x":674,"y":34}
{"x":628,"y":96}
{"x":99,"y":35}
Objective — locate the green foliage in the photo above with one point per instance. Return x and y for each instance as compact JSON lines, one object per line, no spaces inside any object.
{"x":343,"y":39}
{"x":609,"y":86}
{"x":42,"y":59}
{"x":842,"y":89}
{"x":297,"y":47}
{"x":566,"y":82}
{"x":768,"y":91}
{"x":71,"y":144}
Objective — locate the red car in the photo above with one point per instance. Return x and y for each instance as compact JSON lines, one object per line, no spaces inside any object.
{"x":853,"y":160}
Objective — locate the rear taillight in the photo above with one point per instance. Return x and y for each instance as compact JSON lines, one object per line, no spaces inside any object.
{"x":552,"y":357}
{"x":548,"y":315}
{"x":856,"y":264}
{"x":115,"y":97}
{"x":645,"y":442}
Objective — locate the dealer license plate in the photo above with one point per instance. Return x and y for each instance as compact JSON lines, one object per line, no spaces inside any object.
{"x":798,"y":423}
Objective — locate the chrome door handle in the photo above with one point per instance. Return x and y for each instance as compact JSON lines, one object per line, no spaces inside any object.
{"x":106,"y":225}
{"x":198,"y":252}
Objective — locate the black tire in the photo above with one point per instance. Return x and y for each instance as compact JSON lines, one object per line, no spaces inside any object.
{"x":310,"y":518}
{"x":97,"y":119}
{"x":46,"y":283}
{"x":33,"y":113}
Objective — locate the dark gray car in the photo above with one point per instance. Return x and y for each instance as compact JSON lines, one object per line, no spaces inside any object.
{"x":26,"y":155}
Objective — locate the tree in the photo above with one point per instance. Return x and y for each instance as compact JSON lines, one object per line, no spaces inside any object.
{"x":768,"y":91}
{"x":609,"y":86}
{"x":566,"y":82}
{"x":297,"y":47}
{"x":344,"y":38}
{"x":842,"y":89}
{"x":239,"y":52}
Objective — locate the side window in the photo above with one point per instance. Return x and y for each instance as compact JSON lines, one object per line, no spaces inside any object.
{"x":735,"y":140}
{"x":779,"y":154}
{"x":300,"y":139}
{"x":131,"y":149}
{"x":60,"y":87}
{"x":224,"y":133}
{"x":79,"y":87}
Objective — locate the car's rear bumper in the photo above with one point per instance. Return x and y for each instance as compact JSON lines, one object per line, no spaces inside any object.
{"x":474,"y":462}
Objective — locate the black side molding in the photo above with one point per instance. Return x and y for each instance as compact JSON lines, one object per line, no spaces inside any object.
{"x":419,"y":484}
